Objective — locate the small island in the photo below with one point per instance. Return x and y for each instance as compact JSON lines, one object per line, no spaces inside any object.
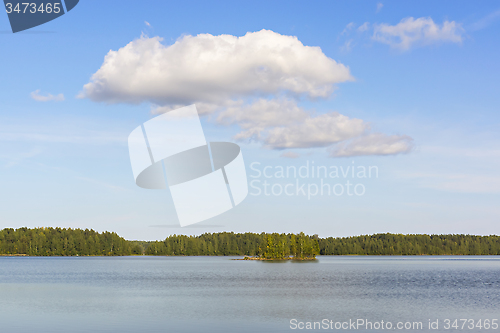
{"x":280,"y":247}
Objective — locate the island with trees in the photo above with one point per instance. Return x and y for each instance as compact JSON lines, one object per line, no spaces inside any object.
{"x":261,"y":246}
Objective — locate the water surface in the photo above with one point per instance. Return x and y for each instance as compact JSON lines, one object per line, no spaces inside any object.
{"x":216,"y":294}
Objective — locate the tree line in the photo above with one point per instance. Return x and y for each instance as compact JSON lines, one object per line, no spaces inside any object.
{"x":64,"y":242}
{"x":71,"y":242}
{"x":398,"y":244}
{"x":264,"y":245}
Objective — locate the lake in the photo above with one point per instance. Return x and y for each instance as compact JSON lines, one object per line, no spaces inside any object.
{"x":217,"y":294}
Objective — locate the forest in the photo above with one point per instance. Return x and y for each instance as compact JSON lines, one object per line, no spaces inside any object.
{"x":266,"y":246}
{"x":398,"y":244}
{"x":72,"y":242}
{"x":64,"y":242}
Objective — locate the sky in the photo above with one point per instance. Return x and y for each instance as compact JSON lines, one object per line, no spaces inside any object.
{"x":406,"y":90}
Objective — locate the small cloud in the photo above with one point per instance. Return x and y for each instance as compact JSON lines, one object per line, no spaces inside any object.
{"x":417,"y":32}
{"x":365,"y":26}
{"x":315,"y":131}
{"x":379,"y":7}
{"x":290,"y":154}
{"x":347,"y":46}
{"x":373,"y":144}
{"x":348,"y":28}
{"x":485,"y":21}
{"x":147,"y":23}
{"x":49,"y":97}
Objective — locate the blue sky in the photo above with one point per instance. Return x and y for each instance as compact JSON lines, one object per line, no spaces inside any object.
{"x":421,"y":105}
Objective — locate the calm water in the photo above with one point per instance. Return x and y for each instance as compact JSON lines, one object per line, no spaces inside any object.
{"x":216,"y":294}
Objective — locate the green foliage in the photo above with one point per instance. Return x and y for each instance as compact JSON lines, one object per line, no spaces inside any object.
{"x":62,"y":242}
{"x":268,"y":246}
{"x":277,"y":246}
{"x":398,"y":244}
{"x":70,"y":242}
{"x":217,"y":244}
{"x":305,"y":246}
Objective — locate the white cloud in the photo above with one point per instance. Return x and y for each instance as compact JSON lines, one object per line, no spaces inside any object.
{"x":254,"y":82}
{"x":486,"y":21}
{"x":147,"y":23}
{"x":416,"y":32}
{"x":202,"y":107}
{"x":49,"y":97}
{"x":319,"y":131}
{"x":347,"y":47}
{"x":379,"y":7}
{"x":213,"y":69}
{"x":373,"y":144}
{"x":263,"y":114}
{"x":364,"y":27}
{"x":348,"y":28}
{"x":281,"y":123}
